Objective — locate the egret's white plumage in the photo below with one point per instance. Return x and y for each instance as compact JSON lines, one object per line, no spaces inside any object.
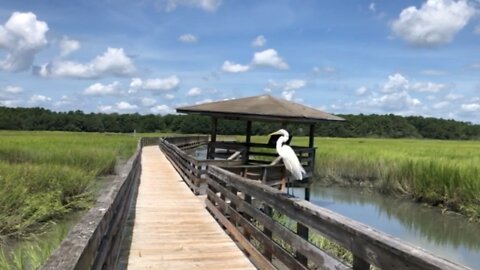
{"x":290,"y":159}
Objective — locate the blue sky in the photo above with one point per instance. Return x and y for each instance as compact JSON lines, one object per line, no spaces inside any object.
{"x":401,"y":57}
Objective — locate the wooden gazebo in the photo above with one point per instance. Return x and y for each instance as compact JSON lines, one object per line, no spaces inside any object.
{"x":264,"y":108}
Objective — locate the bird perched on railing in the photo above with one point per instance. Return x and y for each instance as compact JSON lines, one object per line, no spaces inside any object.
{"x":290,"y":159}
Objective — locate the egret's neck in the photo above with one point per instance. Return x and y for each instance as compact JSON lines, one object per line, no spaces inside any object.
{"x":280,"y":143}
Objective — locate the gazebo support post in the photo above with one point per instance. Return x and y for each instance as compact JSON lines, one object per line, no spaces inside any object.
{"x":247,"y":141}
{"x":213,"y":139}
{"x":311,"y":144}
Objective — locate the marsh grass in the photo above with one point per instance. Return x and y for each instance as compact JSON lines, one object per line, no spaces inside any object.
{"x":314,"y":237}
{"x":440,"y":173}
{"x":46,"y":176}
{"x":33,"y":251}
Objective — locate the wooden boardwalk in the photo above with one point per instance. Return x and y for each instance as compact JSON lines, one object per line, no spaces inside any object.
{"x":172,"y":228}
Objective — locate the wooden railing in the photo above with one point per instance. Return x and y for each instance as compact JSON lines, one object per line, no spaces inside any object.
{"x":192,"y":170}
{"x":260,"y":153}
{"x":95,"y":241}
{"x":261,"y":219}
{"x":189,"y":141}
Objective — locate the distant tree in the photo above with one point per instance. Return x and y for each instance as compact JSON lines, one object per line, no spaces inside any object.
{"x":387,"y":126}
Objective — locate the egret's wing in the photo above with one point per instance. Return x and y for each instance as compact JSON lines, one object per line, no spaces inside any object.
{"x":291,"y":162}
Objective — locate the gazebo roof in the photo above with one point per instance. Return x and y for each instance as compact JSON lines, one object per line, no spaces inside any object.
{"x":265,"y":107}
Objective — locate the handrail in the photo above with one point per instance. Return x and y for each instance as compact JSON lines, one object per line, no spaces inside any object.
{"x":238,"y":202}
{"x":192,"y":170}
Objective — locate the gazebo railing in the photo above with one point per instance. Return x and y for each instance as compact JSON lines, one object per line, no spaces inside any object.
{"x":260,"y":153}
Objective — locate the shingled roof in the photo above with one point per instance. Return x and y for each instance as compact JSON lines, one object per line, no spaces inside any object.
{"x":263,"y":107}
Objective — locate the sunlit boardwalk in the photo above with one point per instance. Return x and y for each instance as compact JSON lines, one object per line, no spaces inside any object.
{"x":172,"y":228}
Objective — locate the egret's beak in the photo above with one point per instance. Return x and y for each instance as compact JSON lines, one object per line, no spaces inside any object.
{"x":274,"y":133}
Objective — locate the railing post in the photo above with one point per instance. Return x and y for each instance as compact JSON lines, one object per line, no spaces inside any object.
{"x":248,"y":199}
{"x":268,"y":211}
{"x":359,"y":263}
{"x":302,"y":231}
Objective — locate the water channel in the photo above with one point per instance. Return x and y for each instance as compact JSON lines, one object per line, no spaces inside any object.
{"x":447,"y":235}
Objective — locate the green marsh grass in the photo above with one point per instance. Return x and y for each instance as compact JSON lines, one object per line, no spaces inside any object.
{"x":440,"y":173}
{"x":47,"y":176}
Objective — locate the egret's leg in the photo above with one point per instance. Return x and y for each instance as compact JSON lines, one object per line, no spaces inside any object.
{"x":288,"y":186}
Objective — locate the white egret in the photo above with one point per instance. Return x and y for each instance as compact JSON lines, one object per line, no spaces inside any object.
{"x":290,"y":159}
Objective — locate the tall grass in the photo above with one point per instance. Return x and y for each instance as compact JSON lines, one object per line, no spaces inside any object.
{"x":45,"y":176}
{"x":441,"y":173}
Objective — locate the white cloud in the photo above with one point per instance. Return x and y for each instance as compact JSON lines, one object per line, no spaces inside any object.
{"x":441,"y":105}
{"x":64,"y":100}
{"x":391,"y":102}
{"x":428,"y":87}
{"x":392,"y":96}
{"x":288,"y":95}
{"x":294,"y":84}
{"x":99,"y":89}
{"x":161,"y":109}
{"x":435,"y":23}
{"x":156,"y":84}
{"x":396,"y":82}
{"x":207,"y":5}
{"x":269,"y":58}
{"x":113,"y":62}
{"x":11,"y":89}
{"x":147,"y":102}
{"x":195,"y":91}
{"x":125,"y":106}
{"x":234,"y":68}
{"x":471,"y":107}
{"x":37,"y":99}
{"x":187,"y":38}
{"x":10,"y":102}
{"x":259,"y":41}
{"x":67,"y":46}
{"x":207,"y":100}
{"x":372,"y":7}
{"x":288,"y":88}
{"x":169,"y":96}
{"x":452,"y":96}
{"x":361,"y":91}
{"x":105,"y":108}
{"x":22,"y":37}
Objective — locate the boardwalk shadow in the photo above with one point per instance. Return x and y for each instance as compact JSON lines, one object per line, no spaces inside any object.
{"x":122,"y":263}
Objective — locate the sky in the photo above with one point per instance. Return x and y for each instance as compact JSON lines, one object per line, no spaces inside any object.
{"x":151,"y":56}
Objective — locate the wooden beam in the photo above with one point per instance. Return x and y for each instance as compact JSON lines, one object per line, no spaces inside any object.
{"x":213,"y":139}
{"x":311,"y":137}
{"x":247,"y":141}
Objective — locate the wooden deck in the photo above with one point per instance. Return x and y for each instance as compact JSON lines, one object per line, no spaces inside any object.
{"x":172,"y":228}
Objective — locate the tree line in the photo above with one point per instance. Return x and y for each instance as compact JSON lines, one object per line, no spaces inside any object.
{"x":385,"y":126}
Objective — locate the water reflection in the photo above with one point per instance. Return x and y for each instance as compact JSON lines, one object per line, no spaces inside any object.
{"x":199,"y":153}
{"x":449,"y":236}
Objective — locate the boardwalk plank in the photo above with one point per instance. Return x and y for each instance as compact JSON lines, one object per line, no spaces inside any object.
{"x":172,"y":228}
